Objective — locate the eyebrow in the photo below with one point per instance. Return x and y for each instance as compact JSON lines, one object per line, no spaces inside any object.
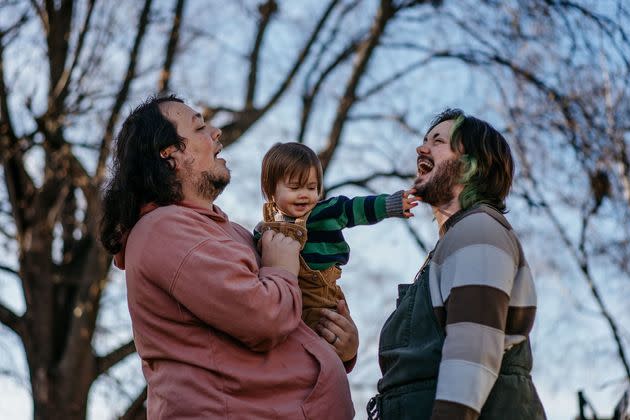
{"x":197,"y":115}
{"x":436,"y":135}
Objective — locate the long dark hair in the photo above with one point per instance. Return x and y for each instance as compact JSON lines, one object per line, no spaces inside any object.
{"x":487,"y":164}
{"x":139,"y":175}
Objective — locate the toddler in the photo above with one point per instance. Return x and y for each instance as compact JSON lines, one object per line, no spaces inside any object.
{"x":291,"y":182}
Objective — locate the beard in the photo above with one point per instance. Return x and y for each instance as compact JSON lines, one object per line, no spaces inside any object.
{"x":210,"y":185}
{"x":439,"y":189}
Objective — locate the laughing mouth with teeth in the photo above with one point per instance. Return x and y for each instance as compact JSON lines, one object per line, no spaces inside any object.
{"x":424,"y":166}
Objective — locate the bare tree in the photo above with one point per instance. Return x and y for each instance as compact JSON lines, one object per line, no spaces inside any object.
{"x":582,"y":107}
{"x":561,"y":69}
{"x":55,"y":212}
{"x":343,"y":71}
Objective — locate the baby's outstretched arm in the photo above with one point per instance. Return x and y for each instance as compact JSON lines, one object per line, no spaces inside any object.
{"x":342,"y":212}
{"x":409,"y":201}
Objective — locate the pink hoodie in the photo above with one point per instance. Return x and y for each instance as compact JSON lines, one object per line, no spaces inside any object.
{"x":219,"y":335}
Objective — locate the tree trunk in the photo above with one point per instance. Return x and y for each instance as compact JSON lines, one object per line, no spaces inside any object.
{"x":60,"y":327}
{"x":58,"y":398}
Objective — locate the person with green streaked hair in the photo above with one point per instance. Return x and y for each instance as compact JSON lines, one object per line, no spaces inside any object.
{"x":292,"y":184}
{"x":457,"y":344}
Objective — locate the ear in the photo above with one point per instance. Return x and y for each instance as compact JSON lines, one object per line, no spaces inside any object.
{"x":168,"y":151}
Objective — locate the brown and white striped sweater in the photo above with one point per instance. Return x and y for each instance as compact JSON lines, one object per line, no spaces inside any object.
{"x":482,"y":292}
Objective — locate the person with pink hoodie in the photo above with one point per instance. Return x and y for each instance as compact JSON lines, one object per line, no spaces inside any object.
{"x":216,"y":324}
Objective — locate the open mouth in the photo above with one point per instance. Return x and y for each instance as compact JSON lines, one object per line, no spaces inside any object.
{"x":424,"y":166}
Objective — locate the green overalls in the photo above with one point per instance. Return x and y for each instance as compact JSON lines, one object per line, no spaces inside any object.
{"x":410,"y":351}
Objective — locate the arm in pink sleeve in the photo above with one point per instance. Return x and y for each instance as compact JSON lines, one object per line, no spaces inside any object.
{"x":219,"y":282}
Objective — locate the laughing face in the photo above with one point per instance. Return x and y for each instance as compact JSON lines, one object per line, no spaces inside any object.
{"x":439,"y":168}
{"x":199,"y":161}
{"x":294,"y":198}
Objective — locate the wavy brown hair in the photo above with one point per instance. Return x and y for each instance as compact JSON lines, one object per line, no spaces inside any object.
{"x":487,"y":163}
{"x":138,"y":174}
{"x":288,"y":161}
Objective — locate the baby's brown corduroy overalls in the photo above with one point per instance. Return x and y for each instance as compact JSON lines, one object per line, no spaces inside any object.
{"x":319,"y":288}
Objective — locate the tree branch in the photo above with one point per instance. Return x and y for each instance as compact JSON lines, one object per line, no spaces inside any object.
{"x":42,"y":15}
{"x":416,"y":237}
{"x":266,"y":10}
{"x":244,"y":119}
{"x":617,"y":137}
{"x":48,"y":201}
{"x":102,"y":37}
{"x":325,"y":44}
{"x":3,"y":231}
{"x":21,"y":190}
{"x":394,"y":77}
{"x":301,"y":57}
{"x":122,"y":93}
{"x":171,"y":49}
{"x":13,"y":28}
{"x":104,"y":363}
{"x":309,"y":93}
{"x":57,"y":38}
{"x":11,"y":320}
{"x":60,"y":91}
{"x":585,"y":268}
{"x":364,"y":54}
{"x":19,"y":184}
{"x":397,"y":118}
{"x":582,"y":262}
{"x":481,"y":58}
{"x":136,"y":410}
{"x":9,"y":270}
{"x":604,"y":23}
{"x":8,"y":138}
{"x":363,"y":182}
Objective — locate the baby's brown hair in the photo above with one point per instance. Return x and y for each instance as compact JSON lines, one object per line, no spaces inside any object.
{"x":288,"y":161}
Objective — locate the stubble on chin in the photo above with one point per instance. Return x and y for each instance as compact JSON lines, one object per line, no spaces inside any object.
{"x":210,"y":185}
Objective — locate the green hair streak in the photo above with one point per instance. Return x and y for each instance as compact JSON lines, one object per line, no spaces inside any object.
{"x":470,"y":195}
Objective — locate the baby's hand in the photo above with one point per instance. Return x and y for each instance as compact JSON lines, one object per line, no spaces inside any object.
{"x":409,"y":201}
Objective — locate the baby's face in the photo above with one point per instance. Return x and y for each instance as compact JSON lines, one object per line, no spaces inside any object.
{"x":294,"y":199}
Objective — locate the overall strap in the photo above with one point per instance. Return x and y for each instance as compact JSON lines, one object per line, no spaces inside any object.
{"x":269,"y":211}
{"x":272,"y":214}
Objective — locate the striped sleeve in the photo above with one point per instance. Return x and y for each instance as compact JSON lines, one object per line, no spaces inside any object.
{"x":256,"y":232}
{"x":341,"y":212}
{"x":394,"y":204}
{"x":473,"y":276}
